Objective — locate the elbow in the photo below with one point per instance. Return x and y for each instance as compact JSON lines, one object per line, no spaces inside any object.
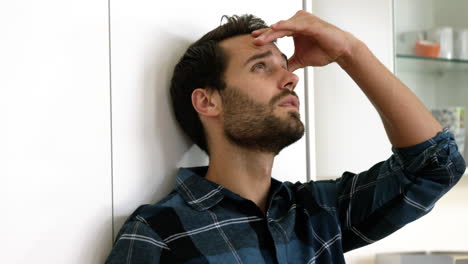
{"x":452,"y":162}
{"x":459,"y":166}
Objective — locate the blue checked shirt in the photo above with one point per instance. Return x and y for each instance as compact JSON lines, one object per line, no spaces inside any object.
{"x":313,"y":222}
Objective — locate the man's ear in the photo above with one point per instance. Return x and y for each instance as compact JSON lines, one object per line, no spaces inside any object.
{"x":207,"y":102}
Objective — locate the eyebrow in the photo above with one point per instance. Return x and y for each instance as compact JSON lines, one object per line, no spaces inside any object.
{"x":263,"y":55}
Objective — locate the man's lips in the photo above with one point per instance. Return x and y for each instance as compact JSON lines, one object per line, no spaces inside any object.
{"x":290,"y":101}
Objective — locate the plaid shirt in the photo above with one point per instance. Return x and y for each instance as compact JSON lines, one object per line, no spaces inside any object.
{"x":313,"y":222}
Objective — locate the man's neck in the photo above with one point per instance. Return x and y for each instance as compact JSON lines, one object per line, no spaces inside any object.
{"x":247,"y":173}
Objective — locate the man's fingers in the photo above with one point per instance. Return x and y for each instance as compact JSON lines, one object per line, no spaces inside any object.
{"x":269,"y":36}
{"x":293,"y":64}
{"x":302,"y":22}
{"x":258,"y":32}
{"x":284,"y":25}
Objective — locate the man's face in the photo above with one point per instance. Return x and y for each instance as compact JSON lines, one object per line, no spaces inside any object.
{"x":257,"y":82}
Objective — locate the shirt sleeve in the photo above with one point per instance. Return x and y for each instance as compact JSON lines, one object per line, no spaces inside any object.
{"x":137,"y":243}
{"x":375,"y":203}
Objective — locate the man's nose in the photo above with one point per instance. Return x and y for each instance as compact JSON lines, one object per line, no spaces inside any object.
{"x":289,"y":80}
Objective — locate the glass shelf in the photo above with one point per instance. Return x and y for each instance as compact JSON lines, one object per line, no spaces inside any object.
{"x":431,"y":59}
{"x":413,"y":63}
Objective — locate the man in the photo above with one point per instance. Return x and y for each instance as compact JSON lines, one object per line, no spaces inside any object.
{"x":233,"y":94}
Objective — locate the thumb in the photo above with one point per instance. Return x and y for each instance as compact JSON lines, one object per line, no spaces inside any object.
{"x":294,"y":63}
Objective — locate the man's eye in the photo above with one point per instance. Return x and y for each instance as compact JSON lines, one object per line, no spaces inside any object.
{"x":260,"y":66}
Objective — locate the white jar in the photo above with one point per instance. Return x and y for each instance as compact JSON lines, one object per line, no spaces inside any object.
{"x":443,"y":36}
{"x":461,"y":44}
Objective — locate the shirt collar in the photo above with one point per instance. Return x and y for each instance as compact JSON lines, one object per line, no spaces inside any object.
{"x":202,"y":194}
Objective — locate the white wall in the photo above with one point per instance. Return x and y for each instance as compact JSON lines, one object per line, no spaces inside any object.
{"x":55,"y":163}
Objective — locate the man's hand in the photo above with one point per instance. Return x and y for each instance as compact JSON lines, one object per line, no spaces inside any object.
{"x":316,"y":42}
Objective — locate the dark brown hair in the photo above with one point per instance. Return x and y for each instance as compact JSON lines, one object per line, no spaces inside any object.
{"x":203,"y":66}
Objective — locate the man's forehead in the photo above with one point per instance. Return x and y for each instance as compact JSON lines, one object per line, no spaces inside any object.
{"x":242,"y":47}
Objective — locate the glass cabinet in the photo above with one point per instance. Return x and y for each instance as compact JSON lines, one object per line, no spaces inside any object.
{"x":431,"y":58}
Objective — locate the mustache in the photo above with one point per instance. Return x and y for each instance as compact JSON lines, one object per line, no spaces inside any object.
{"x":283,"y":94}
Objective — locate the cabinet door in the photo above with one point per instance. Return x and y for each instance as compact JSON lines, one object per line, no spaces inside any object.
{"x":147,"y":39}
{"x":55,"y":173}
{"x":349,"y":132}
{"x":439,"y":81}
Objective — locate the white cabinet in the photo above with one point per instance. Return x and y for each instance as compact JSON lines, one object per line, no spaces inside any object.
{"x":349,"y":132}
{"x":350,"y":135}
{"x":440,"y":81}
{"x":55,"y":163}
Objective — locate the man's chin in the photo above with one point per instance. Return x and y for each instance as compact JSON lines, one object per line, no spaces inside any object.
{"x":288,"y":111}
{"x":294,"y":119}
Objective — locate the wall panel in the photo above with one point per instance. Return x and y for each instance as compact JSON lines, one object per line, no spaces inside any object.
{"x":55,"y":142}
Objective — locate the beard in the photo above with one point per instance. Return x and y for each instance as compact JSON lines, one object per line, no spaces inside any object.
{"x":255,"y":126}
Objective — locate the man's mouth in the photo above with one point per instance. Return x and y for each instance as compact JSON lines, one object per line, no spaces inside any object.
{"x":290,"y":102}
{"x":289,"y":106}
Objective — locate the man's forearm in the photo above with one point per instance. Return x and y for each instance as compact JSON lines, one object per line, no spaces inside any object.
{"x":406,"y":120}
